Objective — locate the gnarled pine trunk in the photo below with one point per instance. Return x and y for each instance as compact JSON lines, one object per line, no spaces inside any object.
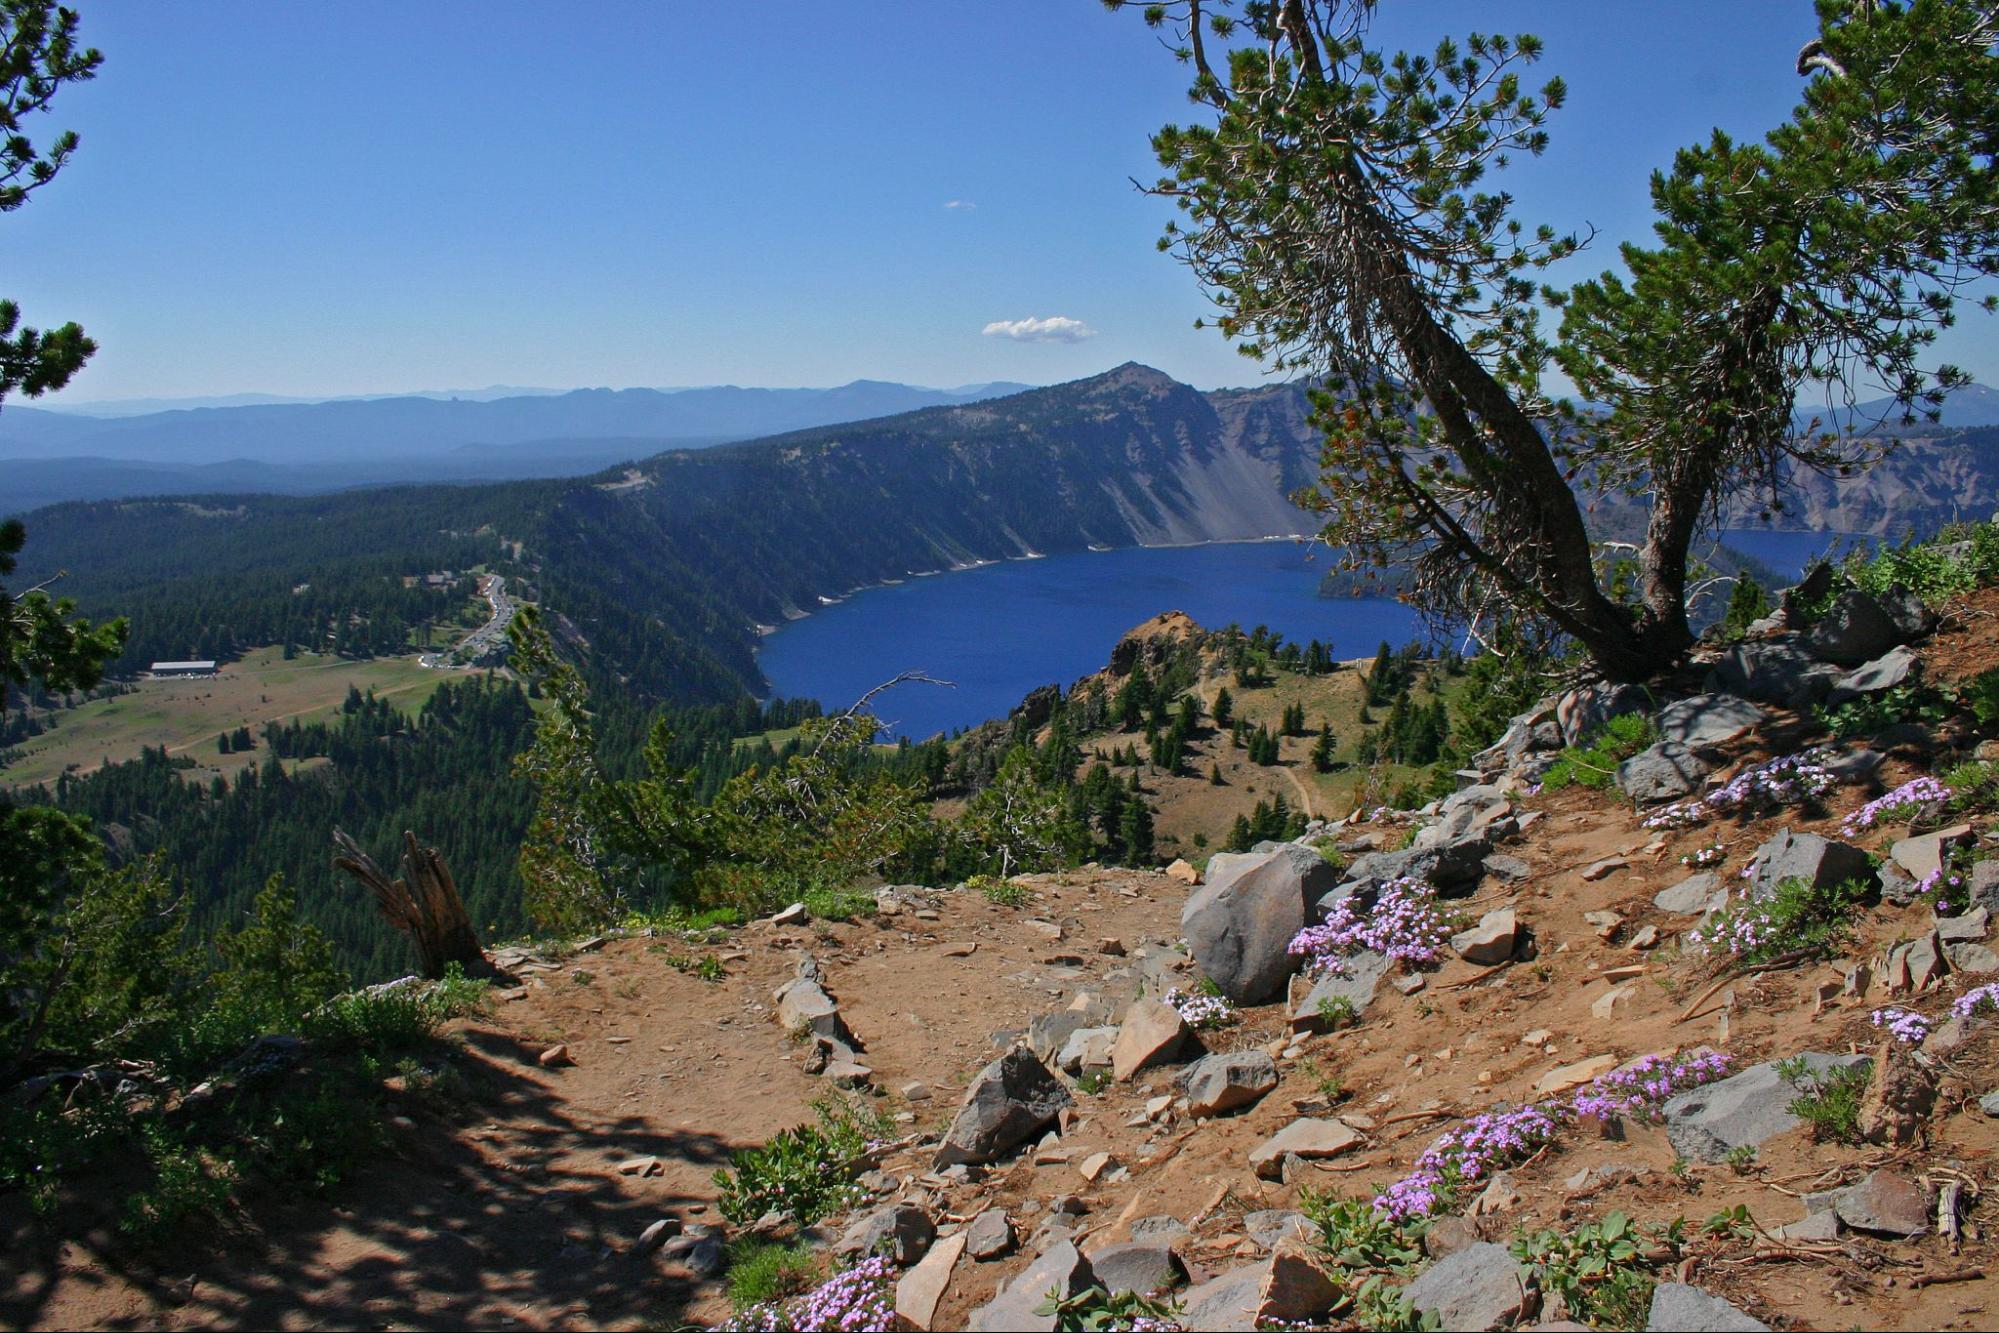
{"x":423,"y":903}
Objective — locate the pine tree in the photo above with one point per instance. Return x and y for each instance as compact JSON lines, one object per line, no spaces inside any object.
{"x":1224,"y":706}
{"x":1322,"y":751}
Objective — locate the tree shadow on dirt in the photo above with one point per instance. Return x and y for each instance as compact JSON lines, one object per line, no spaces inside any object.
{"x":442,"y":1231}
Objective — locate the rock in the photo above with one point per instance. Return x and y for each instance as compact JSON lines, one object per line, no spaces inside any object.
{"x":794,"y":915}
{"x":1777,"y":671}
{"x":1818,"y":861}
{"x":1096,"y":1166}
{"x":1604,"y":869}
{"x":1886,"y":1203}
{"x":1975,"y":959}
{"x":1183,"y":872}
{"x":1217,"y":1084}
{"x":1288,"y":1287}
{"x":1158,"y":1227}
{"x":1679,"y":1308}
{"x":1509,"y":868}
{"x":1447,"y":1234}
{"x":1646,"y":937}
{"x":1696,"y":895}
{"x":1152,"y":1031}
{"x":1854,"y":766}
{"x":1356,"y":985}
{"x":1478,"y":1287}
{"x":658,"y":1234}
{"x":555,"y":1057}
{"x":1707,"y":720}
{"x":1984,"y":884}
{"x":1856,"y":628}
{"x":1493,"y":940}
{"x":1575,"y":1075}
{"x":902,"y":1231}
{"x":1239,"y":923}
{"x":1989,"y":1103}
{"x":990,"y":1235}
{"x":914,"y":1091}
{"x":804,"y":1006}
{"x":1898,"y":1099}
{"x":918,"y":1292}
{"x":1970,"y":928}
{"x":1924,"y":856}
{"x":1012,"y":1099}
{"x":1111,"y":947}
{"x":1087,"y":1049}
{"x":1918,"y":965}
{"x":1061,"y":1269}
{"x":1605,"y":1006}
{"x":1812,"y":1226}
{"x":1743,"y":1110}
{"x":1452,"y":868}
{"x":1048,"y":1034}
{"x":1583,"y":711}
{"x":1662,"y":772}
{"x":1883,"y":673}
{"x":1268,"y":1226}
{"x":1305,"y":1138}
{"x":1143,"y":1266}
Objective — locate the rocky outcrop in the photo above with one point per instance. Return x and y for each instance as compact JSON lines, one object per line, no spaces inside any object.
{"x":1239,"y":924}
{"x":1012,"y":1098}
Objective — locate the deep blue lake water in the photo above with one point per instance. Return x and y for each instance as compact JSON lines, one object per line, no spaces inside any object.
{"x":1789,"y":552}
{"x":1001,"y":630}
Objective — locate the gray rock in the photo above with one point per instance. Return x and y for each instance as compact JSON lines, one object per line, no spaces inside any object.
{"x":1061,"y":1269}
{"x":1160,"y":1226}
{"x":1267,"y":1226}
{"x":1357,"y":985}
{"x":1983,"y":886}
{"x":1854,"y":766}
{"x":1453,"y":868}
{"x":1818,"y":861}
{"x":1239,"y":923}
{"x":1696,"y":895}
{"x":1287,"y":1288}
{"x":1743,"y":1110}
{"x":1776,"y":671}
{"x":1305,"y":1137}
{"x":1086,"y":1049}
{"x":1143,"y":1266}
{"x":1478,"y":1287}
{"x":1509,"y":868}
{"x":804,"y":1005}
{"x":989,"y":1235}
{"x":1012,"y":1099}
{"x":1975,"y":959}
{"x":1707,"y":720}
{"x":1989,"y":1103}
{"x":1886,"y":1203}
{"x":1679,"y":1308}
{"x":1049,"y":1033}
{"x":1855,"y":629}
{"x":1584,"y":710}
{"x":1883,"y":673}
{"x":1493,"y":940}
{"x":902,"y":1231}
{"x":1153,"y":1032}
{"x":1970,"y":928}
{"x":1217,"y":1084}
{"x":1662,"y":772}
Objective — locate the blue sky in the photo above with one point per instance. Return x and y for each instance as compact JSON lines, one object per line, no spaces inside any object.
{"x":353,"y":198}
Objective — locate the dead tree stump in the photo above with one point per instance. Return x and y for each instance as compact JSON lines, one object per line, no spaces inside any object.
{"x":423,"y":904}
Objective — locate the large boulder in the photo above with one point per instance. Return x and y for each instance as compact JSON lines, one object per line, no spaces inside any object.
{"x":1696,"y":895}
{"x":1452,"y":868}
{"x":1478,"y":1287}
{"x":1061,"y":1269}
{"x":1240,"y":923}
{"x":1290,"y":1287}
{"x":1662,"y":772}
{"x":1583,"y":711}
{"x":1707,"y":720}
{"x":1012,"y":1099}
{"x":1706,"y":1124}
{"x":1777,"y":671}
{"x":1142,"y":1266}
{"x":1221,"y":1083}
{"x":1860,"y":626}
{"x":1679,"y":1308}
{"x":1818,"y":861}
{"x":1885,"y":672}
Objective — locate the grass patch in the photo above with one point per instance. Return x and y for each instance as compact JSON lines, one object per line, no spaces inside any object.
{"x":1828,"y":1102}
{"x":766,"y":1272}
{"x":1593,"y":763}
{"x":999,"y":892}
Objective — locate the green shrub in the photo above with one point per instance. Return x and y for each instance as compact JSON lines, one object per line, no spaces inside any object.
{"x":1798,"y":916}
{"x":999,"y":892}
{"x":1981,"y":695}
{"x":1828,"y":1103}
{"x":806,"y":1171}
{"x":1094,"y":1309}
{"x":396,"y":1016}
{"x":766,"y":1272}
{"x":1358,"y":1237}
{"x":1877,"y":712}
{"x":1974,"y":787}
{"x":843,"y":904}
{"x":1600,"y":1270}
{"x":190,"y":1188}
{"x":1593,"y":763}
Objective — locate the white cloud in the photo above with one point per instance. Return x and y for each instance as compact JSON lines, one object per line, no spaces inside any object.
{"x":960,"y":205}
{"x":1054,"y":329}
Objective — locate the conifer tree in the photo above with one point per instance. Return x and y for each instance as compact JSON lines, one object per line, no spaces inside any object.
{"x":1336,"y":206}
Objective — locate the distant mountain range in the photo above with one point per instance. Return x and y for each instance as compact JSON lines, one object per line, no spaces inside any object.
{"x":665,"y":567}
{"x":303,"y":448}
